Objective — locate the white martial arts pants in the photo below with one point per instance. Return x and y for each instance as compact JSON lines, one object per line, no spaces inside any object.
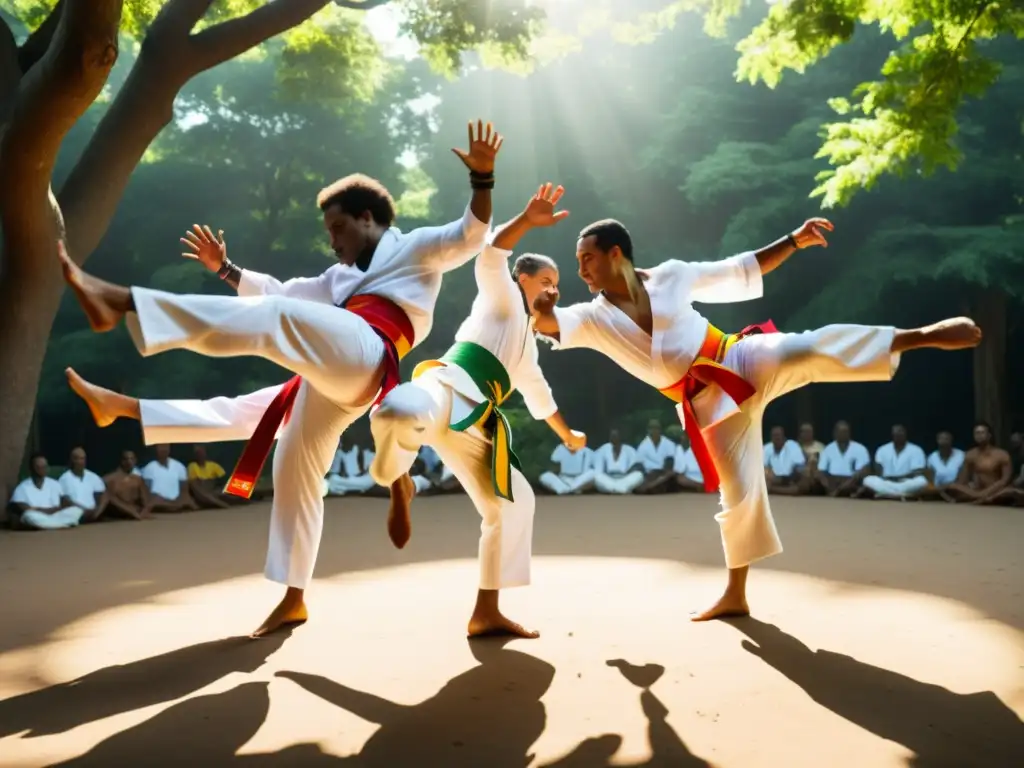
{"x":564,"y":484}
{"x":418,"y":413}
{"x":335,"y":351}
{"x":618,"y":483}
{"x":339,"y":485}
{"x":68,"y":517}
{"x":775,"y":363}
{"x":895,"y":489}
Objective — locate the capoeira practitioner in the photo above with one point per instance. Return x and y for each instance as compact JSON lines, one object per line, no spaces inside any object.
{"x":644,"y":321}
{"x":453,"y":405}
{"x":342,"y":333}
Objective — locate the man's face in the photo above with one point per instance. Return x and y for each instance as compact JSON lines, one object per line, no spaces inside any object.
{"x":596,"y":267}
{"x":77,"y":460}
{"x":613,"y":437}
{"x":163,"y":453}
{"x":899,"y":434}
{"x":654,"y":430}
{"x":982,"y":435}
{"x":40,"y":466}
{"x":806,"y":433}
{"x":841,"y":434}
{"x":546,"y":279}
{"x":944,"y":440}
{"x":350,"y":235}
{"x":199,"y":453}
{"x":778,"y":437}
{"x":128,"y":461}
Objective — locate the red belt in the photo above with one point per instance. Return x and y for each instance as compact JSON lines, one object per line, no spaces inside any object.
{"x":705,"y":370}
{"x":389,"y":322}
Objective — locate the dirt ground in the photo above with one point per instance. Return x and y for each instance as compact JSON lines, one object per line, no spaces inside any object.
{"x":887,"y":634}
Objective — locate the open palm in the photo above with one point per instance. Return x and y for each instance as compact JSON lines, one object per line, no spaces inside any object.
{"x":540,"y":211}
{"x":204,"y":247}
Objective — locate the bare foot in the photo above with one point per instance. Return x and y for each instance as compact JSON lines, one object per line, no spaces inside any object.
{"x":955,"y":333}
{"x":106,"y":405}
{"x":490,"y":625}
{"x":104,"y":303}
{"x":288,"y":613}
{"x":399,"y":521}
{"x":727,"y":605}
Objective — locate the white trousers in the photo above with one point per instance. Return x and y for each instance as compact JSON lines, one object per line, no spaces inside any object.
{"x":618,"y":483}
{"x":339,"y":357}
{"x":418,"y":413}
{"x":68,"y":517}
{"x":895,"y":489}
{"x":340,"y":485}
{"x":775,"y":363}
{"x":564,"y":484}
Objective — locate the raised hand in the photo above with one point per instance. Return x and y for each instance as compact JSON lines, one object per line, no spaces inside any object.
{"x":540,"y":211}
{"x":203,"y":247}
{"x":811,"y":233}
{"x":483,"y":148}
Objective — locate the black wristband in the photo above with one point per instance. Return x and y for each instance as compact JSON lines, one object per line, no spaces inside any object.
{"x":226,"y":268}
{"x":792,"y":241}
{"x":477,"y":175}
{"x":479,"y":184}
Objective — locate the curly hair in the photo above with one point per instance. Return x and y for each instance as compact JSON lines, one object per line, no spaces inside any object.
{"x":356,"y":194}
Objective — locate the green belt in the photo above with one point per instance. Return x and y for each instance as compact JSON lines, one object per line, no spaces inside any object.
{"x":493,"y":381}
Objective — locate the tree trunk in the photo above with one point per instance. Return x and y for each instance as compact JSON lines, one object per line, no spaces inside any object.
{"x":990,"y":404}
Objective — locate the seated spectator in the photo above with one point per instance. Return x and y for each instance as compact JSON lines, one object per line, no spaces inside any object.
{"x":784,"y":462}
{"x":811,"y":447}
{"x":901,"y":469}
{"x":206,"y":482}
{"x":570,"y":472}
{"x":986,"y":473}
{"x":843,"y":464}
{"x":426,"y":470}
{"x":167,"y":481}
{"x":39,"y":503}
{"x":688,"y":474}
{"x":943,"y":464}
{"x":82,"y":488}
{"x":1013,"y":494}
{"x":656,"y":455}
{"x":448,"y":483}
{"x":348,"y":473}
{"x":127,"y":494}
{"x":615,"y":466}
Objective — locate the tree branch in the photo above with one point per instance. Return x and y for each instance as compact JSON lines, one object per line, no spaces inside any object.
{"x":50,"y":99}
{"x":232,"y":38}
{"x":33,"y":49}
{"x":365,"y":5}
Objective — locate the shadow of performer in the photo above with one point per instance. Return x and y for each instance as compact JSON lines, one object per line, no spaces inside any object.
{"x":487,"y":716}
{"x":668,"y":750}
{"x":128,"y":687}
{"x":944,"y":729}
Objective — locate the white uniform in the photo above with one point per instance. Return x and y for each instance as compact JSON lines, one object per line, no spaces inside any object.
{"x":421,"y":411}
{"x":653,"y":457}
{"x":45,"y":496}
{"x":575,"y":471}
{"x":297,"y":325}
{"x":165,"y":480}
{"x":685,"y":463}
{"x":354,"y":479}
{"x":836,"y":462}
{"x":81,"y":491}
{"x":773,"y":363}
{"x":785,"y":461}
{"x":895,"y":463}
{"x":615,"y":474}
{"x":946,"y":471}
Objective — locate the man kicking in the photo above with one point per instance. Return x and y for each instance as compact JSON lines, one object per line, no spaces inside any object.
{"x":453,"y":405}
{"x":343,"y":334}
{"x":645,"y":322}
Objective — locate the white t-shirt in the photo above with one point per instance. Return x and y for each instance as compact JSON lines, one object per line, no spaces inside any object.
{"x":606,"y":461}
{"x":46,"y":497}
{"x":82,"y":490}
{"x":685,"y":463}
{"x":346,"y":461}
{"x":785,"y":462}
{"x":893,"y":464}
{"x":165,"y":481}
{"x":838,"y":464}
{"x":572,"y":464}
{"x":946,"y":472}
{"x":653,"y":456}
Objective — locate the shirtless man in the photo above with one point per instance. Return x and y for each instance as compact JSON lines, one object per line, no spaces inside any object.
{"x":127,"y":493}
{"x":986,"y":473}
{"x":644,"y":320}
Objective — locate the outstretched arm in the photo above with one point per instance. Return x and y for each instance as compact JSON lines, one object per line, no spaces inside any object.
{"x":772,"y":256}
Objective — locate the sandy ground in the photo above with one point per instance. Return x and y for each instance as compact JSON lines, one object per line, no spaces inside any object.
{"x":887,"y":635}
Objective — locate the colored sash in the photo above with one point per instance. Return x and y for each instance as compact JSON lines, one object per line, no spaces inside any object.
{"x":389,"y":322}
{"x":707,"y":369}
{"x":492,"y":379}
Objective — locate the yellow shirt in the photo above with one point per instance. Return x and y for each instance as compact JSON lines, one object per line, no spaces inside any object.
{"x":211,"y":470}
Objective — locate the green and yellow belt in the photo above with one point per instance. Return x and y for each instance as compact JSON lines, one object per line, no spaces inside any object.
{"x":493,"y":381}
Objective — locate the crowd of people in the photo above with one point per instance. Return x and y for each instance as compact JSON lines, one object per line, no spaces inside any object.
{"x":662,"y":462}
